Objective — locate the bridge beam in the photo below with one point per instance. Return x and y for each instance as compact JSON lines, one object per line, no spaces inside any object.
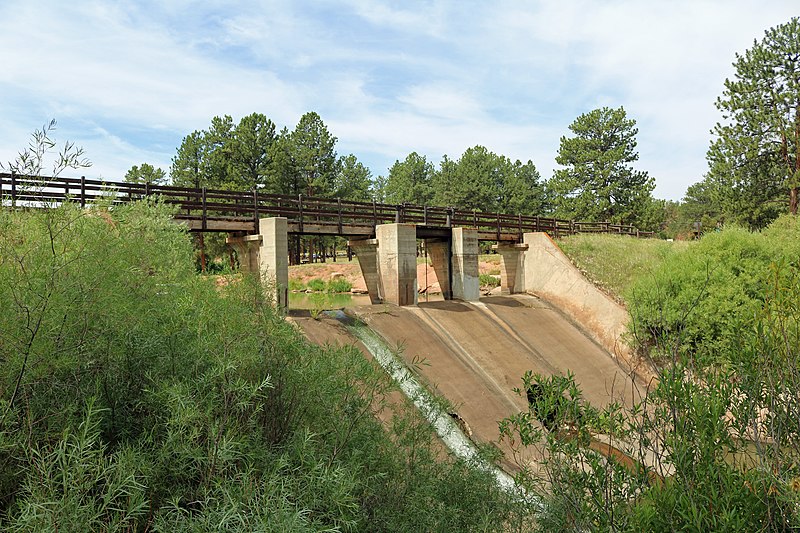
{"x":512,"y":267}
{"x":466,"y":282}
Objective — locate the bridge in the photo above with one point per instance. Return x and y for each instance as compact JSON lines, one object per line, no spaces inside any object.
{"x":382,"y":235}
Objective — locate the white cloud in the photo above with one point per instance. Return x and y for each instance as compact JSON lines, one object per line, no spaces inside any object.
{"x":128,"y":80}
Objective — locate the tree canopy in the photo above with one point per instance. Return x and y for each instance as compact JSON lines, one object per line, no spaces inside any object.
{"x":599,"y":182}
{"x":146,"y":173}
{"x":754,"y":159}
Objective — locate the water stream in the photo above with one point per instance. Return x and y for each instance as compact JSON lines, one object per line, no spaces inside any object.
{"x":445,"y":426}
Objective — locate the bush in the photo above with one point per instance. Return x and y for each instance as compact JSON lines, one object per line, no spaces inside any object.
{"x":163,"y":402}
{"x":316,"y":285}
{"x":487,"y":280}
{"x":705,"y":296}
{"x":339,"y":285}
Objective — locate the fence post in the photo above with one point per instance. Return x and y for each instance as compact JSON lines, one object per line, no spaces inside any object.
{"x":204,"y":225}
{"x":397,"y":217}
{"x":374,"y":214}
{"x":300,"y":209}
{"x":13,"y":189}
{"x":519,"y":218}
{"x":83,"y":191}
{"x":424,"y":215}
{"x":255,"y":208}
{"x":66,"y":190}
{"x":449,"y":221}
{"x":339,"y":214}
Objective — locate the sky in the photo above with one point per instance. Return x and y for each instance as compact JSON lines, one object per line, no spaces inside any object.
{"x":128,"y":80}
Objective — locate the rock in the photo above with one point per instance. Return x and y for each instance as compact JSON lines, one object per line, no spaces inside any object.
{"x":337,"y":275}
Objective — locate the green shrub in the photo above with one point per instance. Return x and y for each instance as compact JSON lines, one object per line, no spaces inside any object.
{"x":164,"y":402}
{"x":296,"y":285}
{"x":316,"y":285}
{"x":487,"y":280}
{"x":339,"y":285}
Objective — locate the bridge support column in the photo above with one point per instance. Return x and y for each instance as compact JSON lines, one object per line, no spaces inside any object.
{"x":512,"y":267}
{"x":397,"y":263}
{"x":268,"y":255}
{"x":367,"y":252}
{"x":274,"y":257}
{"x":439,"y":252}
{"x":466,"y":283}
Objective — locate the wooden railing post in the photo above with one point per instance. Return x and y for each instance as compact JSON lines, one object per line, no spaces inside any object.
{"x":300,"y":209}
{"x":66,"y":191}
{"x":339,"y":213}
{"x":255,"y":208}
{"x":83,"y":191}
{"x":424,"y":215}
{"x":204,"y":222}
{"x":449,"y":222}
{"x":374,"y":214}
{"x":13,"y":189}
{"x":498,"y":226}
{"x":397,"y":216}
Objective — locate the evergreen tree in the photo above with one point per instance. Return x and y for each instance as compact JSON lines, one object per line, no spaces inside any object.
{"x":313,"y":156}
{"x":251,"y":148}
{"x":353,"y":179}
{"x":599,"y":182}
{"x":756,"y":155}
{"x":409,"y":181}
{"x":146,"y":173}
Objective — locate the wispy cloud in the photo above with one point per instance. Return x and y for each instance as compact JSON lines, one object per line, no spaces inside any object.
{"x":129,"y":80}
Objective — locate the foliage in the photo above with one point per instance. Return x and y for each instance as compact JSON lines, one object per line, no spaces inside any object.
{"x":409,"y":181}
{"x":313,"y":157}
{"x":316,"y":284}
{"x":32,"y":160}
{"x":754,"y":159}
{"x":700,"y":449}
{"x":599,"y":183}
{"x":146,"y":173}
{"x":707,"y":294}
{"x":487,"y":280}
{"x":484,"y":181}
{"x":339,"y":285}
{"x":353,"y":179}
{"x":166,"y":403}
{"x":615,"y":262}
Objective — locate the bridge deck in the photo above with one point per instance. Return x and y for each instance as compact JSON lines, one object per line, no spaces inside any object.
{"x":206,"y":210}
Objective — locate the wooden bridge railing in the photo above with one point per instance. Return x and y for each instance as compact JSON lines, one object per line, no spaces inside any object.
{"x":206,"y":208}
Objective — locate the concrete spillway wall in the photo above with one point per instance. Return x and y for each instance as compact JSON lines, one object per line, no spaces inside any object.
{"x":550,"y":275}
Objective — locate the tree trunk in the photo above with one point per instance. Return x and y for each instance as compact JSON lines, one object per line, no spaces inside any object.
{"x":793,"y":200}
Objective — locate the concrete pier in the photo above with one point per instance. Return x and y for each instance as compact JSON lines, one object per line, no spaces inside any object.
{"x":466,"y":282}
{"x":367,"y":252}
{"x":268,"y":255}
{"x":439,"y":252}
{"x":397,"y":263}
{"x":512,"y":267}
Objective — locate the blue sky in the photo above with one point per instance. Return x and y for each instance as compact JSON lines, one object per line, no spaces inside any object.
{"x":128,"y":80}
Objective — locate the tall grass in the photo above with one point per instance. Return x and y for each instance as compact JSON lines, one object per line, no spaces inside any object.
{"x":615,"y":262}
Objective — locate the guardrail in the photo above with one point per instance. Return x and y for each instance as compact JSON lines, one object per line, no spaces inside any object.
{"x":204,"y":207}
